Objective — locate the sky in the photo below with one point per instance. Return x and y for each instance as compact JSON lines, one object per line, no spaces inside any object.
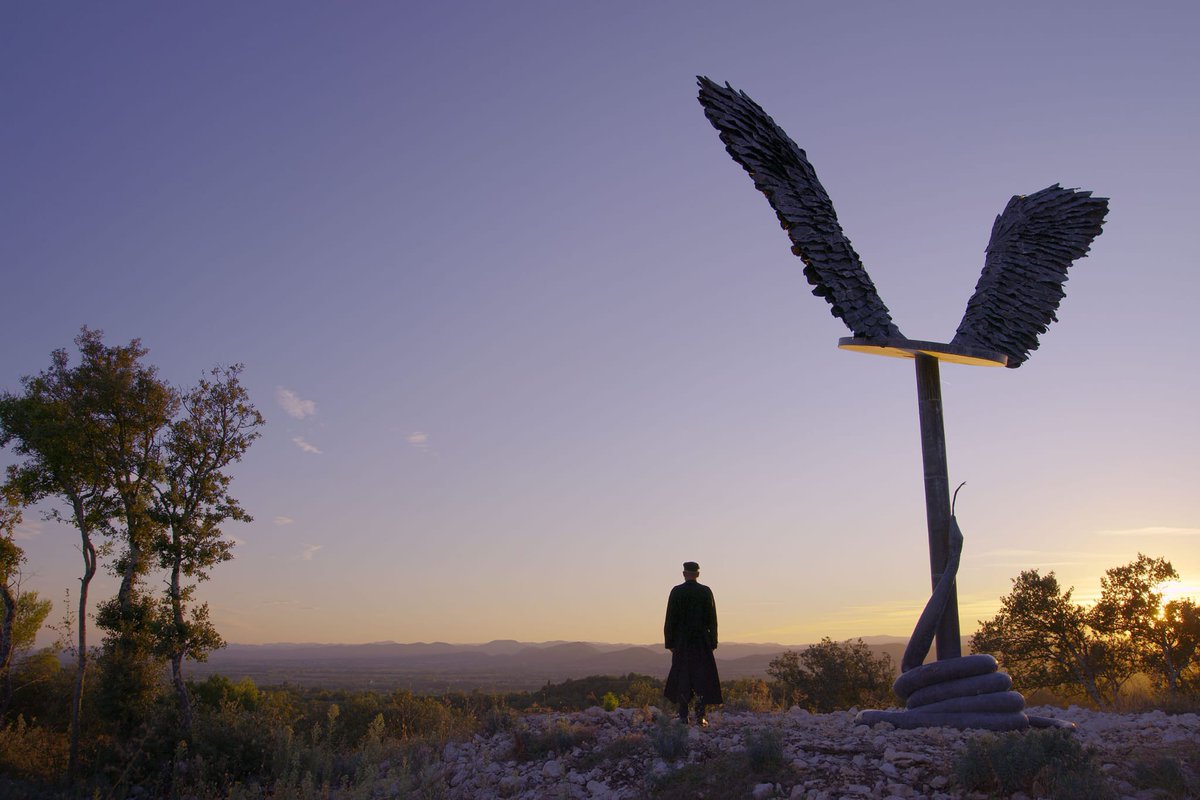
{"x":526,"y":338}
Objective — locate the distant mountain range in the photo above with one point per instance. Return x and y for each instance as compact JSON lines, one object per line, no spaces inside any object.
{"x":501,"y":665}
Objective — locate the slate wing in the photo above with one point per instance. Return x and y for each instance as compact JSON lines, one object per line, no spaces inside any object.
{"x":1034,"y":240}
{"x":781,"y":171}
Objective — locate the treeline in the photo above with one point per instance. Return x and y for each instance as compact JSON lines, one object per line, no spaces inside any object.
{"x":1045,"y":640}
{"x":140,"y":470}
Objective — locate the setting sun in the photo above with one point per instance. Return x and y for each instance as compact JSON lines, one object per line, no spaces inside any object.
{"x":1179,"y":590}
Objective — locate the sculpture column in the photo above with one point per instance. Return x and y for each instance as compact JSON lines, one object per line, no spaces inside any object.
{"x":937,"y":496}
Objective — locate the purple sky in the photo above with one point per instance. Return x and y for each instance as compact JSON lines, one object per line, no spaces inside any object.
{"x":527,"y":338}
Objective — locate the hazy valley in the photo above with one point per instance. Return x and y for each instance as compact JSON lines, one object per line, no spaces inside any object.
{"x":505,"y":664}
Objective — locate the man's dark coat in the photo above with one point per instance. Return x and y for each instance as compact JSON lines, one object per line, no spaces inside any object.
{"x":691,"y":635}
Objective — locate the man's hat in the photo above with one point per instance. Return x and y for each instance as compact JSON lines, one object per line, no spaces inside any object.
{"x":691,"y":566}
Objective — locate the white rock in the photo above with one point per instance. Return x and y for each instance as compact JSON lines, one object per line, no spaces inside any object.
{"x":762,"y":790}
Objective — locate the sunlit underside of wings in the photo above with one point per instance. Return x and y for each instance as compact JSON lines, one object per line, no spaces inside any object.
{"x":1033,"y":243}
{"x":781,"y":171}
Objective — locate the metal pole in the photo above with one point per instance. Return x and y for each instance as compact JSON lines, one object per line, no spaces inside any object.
{"x":937,"y":496}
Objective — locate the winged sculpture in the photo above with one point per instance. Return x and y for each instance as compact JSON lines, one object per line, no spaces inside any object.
{"x":1034,"y":240}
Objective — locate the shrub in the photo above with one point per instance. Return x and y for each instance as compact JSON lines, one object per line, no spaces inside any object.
{"x":32,"y":752}
{"x":669,"y":737}
{"x":727,"y":776}
{"x":764,"y":748}
{"x":1043,"y":762}
{"x":643,"y":692}
{"x":497,"y":719}
{"x":748,"y":694}
{"x":1168,"y":774}
{"x":577,"y":694}
{"x":558,"y":738}
{"x":623,"y":747}
{"x":609,"y":702}
{"x":831,"y":676}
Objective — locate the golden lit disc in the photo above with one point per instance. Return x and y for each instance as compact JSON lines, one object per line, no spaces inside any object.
{"x":908,"y":348}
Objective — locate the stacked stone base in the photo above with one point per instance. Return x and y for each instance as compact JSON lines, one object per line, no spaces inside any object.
{"x":965,"y":692}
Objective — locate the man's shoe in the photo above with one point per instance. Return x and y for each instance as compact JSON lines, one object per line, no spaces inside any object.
{"x":703,"y":722}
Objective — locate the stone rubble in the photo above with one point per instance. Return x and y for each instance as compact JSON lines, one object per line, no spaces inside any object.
{"x":833,"y":757}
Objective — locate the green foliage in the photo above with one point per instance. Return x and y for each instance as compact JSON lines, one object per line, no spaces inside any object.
{"x":233,"y":755}
{"x":609,"y":702}
{"x":1047,"y":641}
{"x":30,"y":616}
{"x":217,"y":690}
{"x":1044,"y":640}
{"x":669,"y":737}
{"x":32,"y":752}
{"x":217,"y":424}
{"x":577,"y":694}
{"x":252,"y":742}
{"x":831,"y":676}
{"x":1041,"y":762}
{"x":764,"y":748}
{"x":127,"y":686}
{"x":144,"y":465}
{"x":642,"y":692}
{"x":40,"y":689}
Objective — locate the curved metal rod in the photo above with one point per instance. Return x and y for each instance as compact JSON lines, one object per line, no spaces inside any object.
{"x":927,"y":625}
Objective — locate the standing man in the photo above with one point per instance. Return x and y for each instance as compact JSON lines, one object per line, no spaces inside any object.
{"x":691,"y":636}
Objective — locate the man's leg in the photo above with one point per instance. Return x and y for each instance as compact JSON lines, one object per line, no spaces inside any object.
{"x":683,"y":711}
{"x":701,"y":719}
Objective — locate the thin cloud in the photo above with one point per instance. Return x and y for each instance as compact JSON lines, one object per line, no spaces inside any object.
{"x":27,"y":531}
{"x":1152,"y":530}
{"x":418,"y":439}
{"x":282,"y":521}
{"x":293,"y":404}
{"x":1030,"y":559}
{"x":305,"y":446}
{"x":309,"y":551}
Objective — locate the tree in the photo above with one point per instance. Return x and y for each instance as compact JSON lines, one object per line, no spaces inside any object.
{"x":1177,"y":658}
{"x":128,"y":407}
{"x":21,"y":613}
{"x":1045,"y":640}
{"x":144,"y":465}
{"x":833,"y":675}
{"x":1131,"y":607}
{"x":11,"y":558}
{"x":216,"y":427}
{"x":53,"y":426}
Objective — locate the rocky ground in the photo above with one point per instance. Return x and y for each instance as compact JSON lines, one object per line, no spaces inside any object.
{"x":618,"y":754}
